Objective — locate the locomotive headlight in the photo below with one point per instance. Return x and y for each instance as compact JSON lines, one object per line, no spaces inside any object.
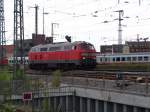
{"x":83,"y":57}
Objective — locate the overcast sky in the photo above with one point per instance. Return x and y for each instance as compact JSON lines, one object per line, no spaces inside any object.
{"x":83,"y":19}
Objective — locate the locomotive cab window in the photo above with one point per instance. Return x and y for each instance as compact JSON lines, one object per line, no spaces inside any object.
{"x":74,"y":47}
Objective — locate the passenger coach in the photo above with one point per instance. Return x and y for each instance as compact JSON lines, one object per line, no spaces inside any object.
{"x":123,"y":58}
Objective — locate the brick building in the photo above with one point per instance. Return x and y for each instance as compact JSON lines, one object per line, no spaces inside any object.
{"x":128,"y":47}
{"x":138,"y":46}
{"x":112,"y":48}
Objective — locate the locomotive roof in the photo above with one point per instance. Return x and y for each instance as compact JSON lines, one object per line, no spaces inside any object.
{"x":59,"y":44}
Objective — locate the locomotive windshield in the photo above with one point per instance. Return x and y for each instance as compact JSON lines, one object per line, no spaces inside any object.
{"x":87,"y":46}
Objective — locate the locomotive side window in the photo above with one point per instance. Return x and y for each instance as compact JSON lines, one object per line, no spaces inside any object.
{"x":54,"y":48}
{"x":43,"y":49}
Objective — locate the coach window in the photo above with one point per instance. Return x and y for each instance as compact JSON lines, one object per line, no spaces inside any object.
{"x":133,"y":58}
{"x":128,"y":58}
{"x":118,"y":59}
{"x":105,"y":59}
{"x":101,"y":59}
{"x":140,"y":58}
{"x":113,"y":59}
{"x":145,"y":58}
{"x":108,"y":59}
{"x":122,"y":58}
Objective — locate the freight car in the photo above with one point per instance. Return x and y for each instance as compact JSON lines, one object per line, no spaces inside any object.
{"x":62,"y":55}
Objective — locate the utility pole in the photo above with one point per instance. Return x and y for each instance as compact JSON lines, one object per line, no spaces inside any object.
{"x":120,"y":26}
{"x":18,"y":35}
{"x":2,"y":31}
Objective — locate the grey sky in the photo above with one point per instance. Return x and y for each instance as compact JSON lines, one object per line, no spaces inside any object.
{"x":83,"y":19}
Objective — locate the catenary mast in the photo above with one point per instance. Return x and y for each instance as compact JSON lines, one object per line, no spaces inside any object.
{"x":18,"y":34}
{"x":2,"y":31}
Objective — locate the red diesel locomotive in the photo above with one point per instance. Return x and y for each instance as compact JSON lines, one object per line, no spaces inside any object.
{"x":62,"y":55}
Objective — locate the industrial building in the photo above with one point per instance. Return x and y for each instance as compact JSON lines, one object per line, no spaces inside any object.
{"x":128,"y":47}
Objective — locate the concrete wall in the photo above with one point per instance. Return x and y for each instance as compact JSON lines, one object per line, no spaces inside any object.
{"x":88,"y":100}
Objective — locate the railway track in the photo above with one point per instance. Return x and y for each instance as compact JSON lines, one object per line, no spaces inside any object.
{"x":95,"y":74}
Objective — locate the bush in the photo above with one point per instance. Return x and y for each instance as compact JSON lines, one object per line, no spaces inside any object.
{"x":56,"y":78}
{"x":5,"y":75}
